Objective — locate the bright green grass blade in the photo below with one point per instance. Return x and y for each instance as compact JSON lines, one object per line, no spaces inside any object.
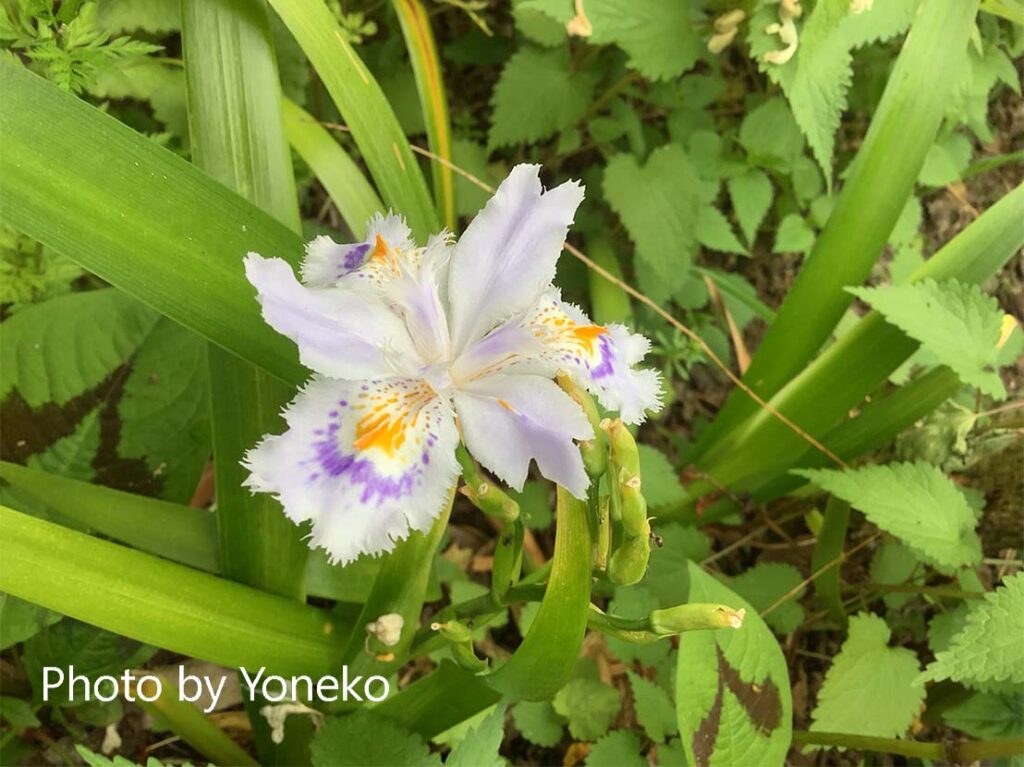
{"x":882,"y":177}
{"x":162,"y":603}
{"x":439,"y":701}
{"x":355,"y":198}
{"x":138,"y":216}
{"x":365,"y":110}
{"x":234,"y":112}
{"x":178,"y":533}
{"x":860,"y":361}
{"x":548,"y":653}
{"x":426,"y":66}
{"x":194,"y":727}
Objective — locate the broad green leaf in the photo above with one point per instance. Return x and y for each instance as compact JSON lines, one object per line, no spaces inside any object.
{"x":536,"y":25}
{"x":589,"y":705}
{"x":21,"y":620}
{"x":537,"y":96}
{"x":367,"y":739}
{"x":17,"y":713}
{"x":763,"y":584}
{"x":751,"y":193}
{"x":620,"y":748}
{"x":150,"y":224}
{"x":946,"y":161}
{"x":97,"y":386}
{"x":538,"y":722}
{"x":472,"y":157}
{"x":873,"y":195}
{"x":148,"y":15}
{"x":659,"y":38}
{"x":771,"y":136}
{"x":92,"y":651}
{"x":715,"y":232}
{"x":661,"y":483}
{"x":733,"y":697}
{"x":654,"y":709}
{"x":658,"y":204}
{"x":534,"y":504}
{"x":987,"y":715}
{"x":870,"y":687}
{"x":987,"y":650}
{"x":635,"y":602}
{"x":956,"y":322}
{"x":916,"y":502}
{"x":162,"y":604}
{"x":879,"y":22}
{"x":480,"y":746}
{"x":794,"y":235}
{"x":365,"y":111}
{"x":680,"y":544}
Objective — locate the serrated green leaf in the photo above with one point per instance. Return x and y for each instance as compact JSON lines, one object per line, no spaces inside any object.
{"x":365,"y":739}
{"x":987,"y":649}
{"x":538,"y":722}
{"x":654,"y":709}
{"x":987,"y":715}
{"x":537,"y":96}
{"x":535,"y":504}
{"x":751,"y":193}
{"x":480,"y":746}
{"x":715,"y":232}
{"x":156,"y":16}
{"x":589,"y":705}
{"x":794,"y":235}
{"x":635,"y":602}
{"x":870,"y":688}
{"x":913,"y":501}
{"x":92,"y":651}
{"x":659,"y":38}
{"x":763,"y":584}
{"x":816,"y":79}
{"x":956,"y":322}
{"x":733,"y":699}
{"x":17,"y":713}
{"x":21,"y":620}
{"x":658,"y":204}
{"x":680,"y":544}
{"x":771,"y":136}
{"x":661,"y":484}
{"x":946,"y":161}
{"x":620,"y":748}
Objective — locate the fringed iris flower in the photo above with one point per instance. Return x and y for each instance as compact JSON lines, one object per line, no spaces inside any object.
{"x":414,"y":348}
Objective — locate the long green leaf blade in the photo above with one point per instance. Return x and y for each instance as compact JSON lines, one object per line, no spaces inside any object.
{"x":426,"y":66}
{"x":365,"y":110}
{"x":234,"y":111}
{"x":138,"y":216}
{"x":162,"y":603}
{"x":901,"y":133}
{"x":355,"y":198}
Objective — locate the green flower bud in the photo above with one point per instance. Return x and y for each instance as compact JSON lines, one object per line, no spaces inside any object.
{"x":693,"y":617}
{"x":629,"y":562}
{"x":486,"y":496}
{"x":634,"y":509}
{"x":623,"y":446}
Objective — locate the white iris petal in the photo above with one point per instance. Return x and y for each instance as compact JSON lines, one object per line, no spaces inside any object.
{"x":402,"y":339}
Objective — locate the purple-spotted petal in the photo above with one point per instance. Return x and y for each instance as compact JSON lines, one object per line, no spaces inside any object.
{"x":340,"y":332}
{"x":600,"y":358}
{"x":327,"y":261}
{"x":365,"y":462}
{"x":507,"y":256}
{"x":509,"y":420}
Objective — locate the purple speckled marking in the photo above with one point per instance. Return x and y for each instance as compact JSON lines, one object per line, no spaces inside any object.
{"x":343,"y":403}
{"x":361,"y":471}
{"x":606,"y":368}
{"x":354,"y":257}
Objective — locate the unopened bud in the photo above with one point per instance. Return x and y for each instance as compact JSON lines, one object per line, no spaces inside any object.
{"x":729,"y":20}
{"x":629,"y":562}
{"x":695,"y":617}
{"x":719,"y":42}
